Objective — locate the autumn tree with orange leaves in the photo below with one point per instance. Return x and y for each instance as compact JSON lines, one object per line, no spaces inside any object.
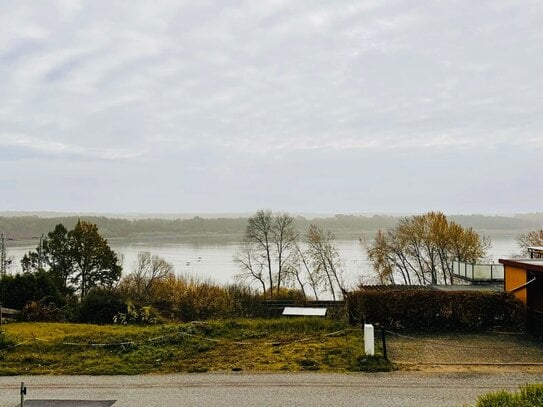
{"x":420,"y":250}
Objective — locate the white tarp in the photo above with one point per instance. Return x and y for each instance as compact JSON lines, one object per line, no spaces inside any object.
{"x":302,"y":311}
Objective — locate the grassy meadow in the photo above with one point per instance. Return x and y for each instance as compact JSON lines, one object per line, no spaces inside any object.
{"x":298,"y":344}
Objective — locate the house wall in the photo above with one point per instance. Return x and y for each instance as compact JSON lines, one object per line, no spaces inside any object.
{"x":535,"y":303}
{"x":515,"y":277}
{"x":536,"y":292}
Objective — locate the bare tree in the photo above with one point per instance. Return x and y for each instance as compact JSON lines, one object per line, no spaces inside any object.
{"x":379,"y":254}
{"x":251,"y":264}
{"x":271,"y":256}
{"x":267,"y":253}
{"x":293,"y":276}
{"x":314,"y":276}
{"x":147,"y":272}
{"x":284,"y":236}
{"x":325,"y":258}
{"x":530,"y":239}
{"x":259,"y":233}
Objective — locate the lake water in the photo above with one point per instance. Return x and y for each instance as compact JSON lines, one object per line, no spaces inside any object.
{"x":213,"y":260}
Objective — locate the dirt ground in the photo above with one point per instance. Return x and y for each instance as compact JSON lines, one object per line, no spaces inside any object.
{"x":452,"y":352}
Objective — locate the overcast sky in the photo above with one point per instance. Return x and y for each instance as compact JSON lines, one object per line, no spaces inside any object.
{"x":304,"y":106}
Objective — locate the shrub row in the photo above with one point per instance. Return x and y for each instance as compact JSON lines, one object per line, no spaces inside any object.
{"x":105,"y":306}
{"x":189,"y":301}
{"x":434,"y":310}
{"x":18,"y":290}
{"x":173,"y":298}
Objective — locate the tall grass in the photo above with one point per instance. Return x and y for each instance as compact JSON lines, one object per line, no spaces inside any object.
{"x":275,"y":344}
{"x":5,"y":342}
{"x":530,"y":395}
{"x":188,"y":298}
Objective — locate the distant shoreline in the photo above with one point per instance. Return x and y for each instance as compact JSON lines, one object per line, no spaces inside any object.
{"x":229,"y":215}
{"x":346,"y":227}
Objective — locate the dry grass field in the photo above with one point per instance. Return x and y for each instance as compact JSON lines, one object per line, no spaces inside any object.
{"x":256,"y":345}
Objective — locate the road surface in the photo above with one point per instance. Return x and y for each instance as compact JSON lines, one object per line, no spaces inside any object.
{"x":244,"y":389}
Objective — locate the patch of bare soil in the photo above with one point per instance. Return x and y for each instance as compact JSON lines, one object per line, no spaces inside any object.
{"x":490,"y":352}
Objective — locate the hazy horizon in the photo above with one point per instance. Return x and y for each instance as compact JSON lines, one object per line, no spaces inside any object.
{"x":211,"y":215}
{"x":231,"y":106}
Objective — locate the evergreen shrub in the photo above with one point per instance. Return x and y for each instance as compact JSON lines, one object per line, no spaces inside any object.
{"x":100,"y":306}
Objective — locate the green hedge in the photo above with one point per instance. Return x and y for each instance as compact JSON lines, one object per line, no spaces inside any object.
{"x":20,"y":289}
{"x":434,"y":310}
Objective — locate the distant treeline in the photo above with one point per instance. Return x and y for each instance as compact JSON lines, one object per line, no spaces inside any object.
{"x":25,"y":227}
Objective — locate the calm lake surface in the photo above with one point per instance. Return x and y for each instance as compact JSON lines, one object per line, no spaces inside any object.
{"x":213,"y":259}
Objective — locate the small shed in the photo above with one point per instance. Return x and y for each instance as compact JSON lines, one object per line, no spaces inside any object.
{"x":524,"y":278}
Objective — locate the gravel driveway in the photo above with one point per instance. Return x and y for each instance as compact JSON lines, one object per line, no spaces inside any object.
{"x":465,"y":348}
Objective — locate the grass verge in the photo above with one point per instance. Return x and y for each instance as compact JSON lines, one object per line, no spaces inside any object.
{"x":299,"y":344}
{"x":530,"y":395}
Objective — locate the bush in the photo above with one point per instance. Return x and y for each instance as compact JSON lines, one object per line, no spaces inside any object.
{"x":138,"y":315}
{"x":200,"y":301}
{"x":243,"y":302}
{"x":100,"y":306}
{"x":433,"y":310}
{"x":18,"y":290}
{"x":5,"y":342}
{"x":42,"y":311}
{"x":187,"y":298}
{"x":530,"y":395}
{"x":499,"y":398}
{"x":288,"y":294}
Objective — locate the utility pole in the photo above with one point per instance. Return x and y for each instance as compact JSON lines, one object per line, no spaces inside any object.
{"x":3,"y":258}
{"x":40,"y":253}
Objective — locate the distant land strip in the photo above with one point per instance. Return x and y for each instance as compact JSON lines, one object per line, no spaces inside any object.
{"x":28,"y":226}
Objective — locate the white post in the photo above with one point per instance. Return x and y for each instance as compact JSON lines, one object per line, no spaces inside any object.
{"x":369,"y":340}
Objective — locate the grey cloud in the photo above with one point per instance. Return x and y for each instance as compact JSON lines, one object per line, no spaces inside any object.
{"x":227,"y":94}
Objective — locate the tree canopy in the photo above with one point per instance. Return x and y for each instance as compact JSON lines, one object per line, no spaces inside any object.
{"x":421,"y":249}
{"x":268,"y":250}
{"x":80,"y":259}
{"x":274,"y":256}
{"x":530,"y":239}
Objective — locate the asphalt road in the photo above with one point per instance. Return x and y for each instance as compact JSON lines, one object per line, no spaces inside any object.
{"x":243,"y":389}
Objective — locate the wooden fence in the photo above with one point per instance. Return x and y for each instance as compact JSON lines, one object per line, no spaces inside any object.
{"x":8,"y":314}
